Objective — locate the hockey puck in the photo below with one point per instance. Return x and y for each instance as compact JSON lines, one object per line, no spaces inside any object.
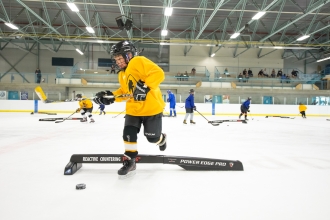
{"x":81,"y":186}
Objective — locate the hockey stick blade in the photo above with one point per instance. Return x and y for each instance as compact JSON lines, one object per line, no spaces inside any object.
{"x":59,"y":121}
{"x":233,"y":120}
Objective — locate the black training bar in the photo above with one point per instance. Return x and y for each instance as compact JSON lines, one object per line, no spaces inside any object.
{"x":187,"y":163}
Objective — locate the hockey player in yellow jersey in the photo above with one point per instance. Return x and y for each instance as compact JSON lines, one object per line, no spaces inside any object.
{"x":85,"y":108}
{"x":139,"y":77}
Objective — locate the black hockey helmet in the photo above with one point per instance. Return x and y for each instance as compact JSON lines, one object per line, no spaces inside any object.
{"x":191,"y":91}
{"x":249,"y":98}
{"x":79,"y":96}
{"x":123,"y":48}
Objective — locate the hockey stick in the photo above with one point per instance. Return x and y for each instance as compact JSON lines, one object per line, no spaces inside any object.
{"x":212,"y":123}
{"x":118,"y":114}
{"x":280,"y":117}
{"x":328,"y":119}
{"x":65,"y":118}
{"x":44,"y":98}
{"x":56,"y":119}
{"x":233,"y":120}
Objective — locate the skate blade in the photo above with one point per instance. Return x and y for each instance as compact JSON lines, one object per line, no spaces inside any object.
{"x":128,"y":175}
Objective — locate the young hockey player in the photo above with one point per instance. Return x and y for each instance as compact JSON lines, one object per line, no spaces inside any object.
{"x":302,"y":109}
{"x":171,"y":100}
{"x":245,"y":108}
{"x":102,"y":106}
{"x":190,"y":107}
{"x":139,"y":77}
{"x":86,"y":107}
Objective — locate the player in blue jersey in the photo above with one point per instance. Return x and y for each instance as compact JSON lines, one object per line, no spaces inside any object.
{"x":245,"y":108}
{"x":171,"y":100}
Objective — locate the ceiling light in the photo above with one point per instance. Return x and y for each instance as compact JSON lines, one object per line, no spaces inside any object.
{"x":258,"y":15}
{"x":323,"y":59}
{"x":234,"y":35}
{"x":79,"y":51}
{"x":213,"y":54}
{"x":11,"y":26}
{"x":168,"y":11}
{"x":184,"y":44}
{"x":73,"y":7}
{"x":164,"y":32}
{"x":292,"y":48}
{"x":303,"y":37}
{"x":90,"y":30}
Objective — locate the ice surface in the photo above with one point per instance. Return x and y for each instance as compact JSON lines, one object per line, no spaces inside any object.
{"x":286,"y":170}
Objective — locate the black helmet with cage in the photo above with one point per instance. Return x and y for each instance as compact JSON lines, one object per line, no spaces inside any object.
{"x":79,"y":96}
{"x":123,"y":48}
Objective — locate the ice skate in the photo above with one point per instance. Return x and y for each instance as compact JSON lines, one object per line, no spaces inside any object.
{"x":92,"y":120}
{"x":192,"y":122}
{"x":162,"y":144}
{"x":83,"y":120}
{"x":184,"y":122}
{"x":103,"y":113}
{"x":128,"y":169}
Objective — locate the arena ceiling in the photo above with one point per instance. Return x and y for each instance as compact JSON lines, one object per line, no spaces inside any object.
{"x":193,"y":23}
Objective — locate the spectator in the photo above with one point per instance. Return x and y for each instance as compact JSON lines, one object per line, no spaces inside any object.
{"x":288,"y":80}
{"x":246,"y":79}
{"x":244,"y":72}
{"x":261,"y":73}
{"x":240,"y":77}
{"x":178,"y":76}
{"x":181,"y":77}
{"x":279,"y":73}
{"x":265,"y":73}
{"x":283,"y":77}
{"x":273,"y":74}
{"x":226,"y":72}
{"x":302,"y":109}
{"x":193,"y":71}
{"x":113,"y":69}
{"x":186,"y":76}
{"x":250,"y":73}
{"x":294,"y":73}
{"x":38,"y":73}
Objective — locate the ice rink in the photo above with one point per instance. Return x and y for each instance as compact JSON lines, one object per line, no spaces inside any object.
{"x":286,"y":170}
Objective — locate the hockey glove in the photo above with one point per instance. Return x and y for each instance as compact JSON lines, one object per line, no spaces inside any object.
{"x":77,"y":110}
{"x":99,"y":99}
{"x":248,"y":110}
{"x":141,"y":91}
{"x":194,"y":108}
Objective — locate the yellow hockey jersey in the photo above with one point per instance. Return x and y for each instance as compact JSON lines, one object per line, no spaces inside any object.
{"x":141,"y":68}
{"x":85,"y":103}
{"x":302,"y":108}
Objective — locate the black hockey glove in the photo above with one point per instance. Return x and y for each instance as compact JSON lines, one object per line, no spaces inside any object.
{"x":194,"y":108}
{"x":99,"y":99}
{"x":141,"y":91}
